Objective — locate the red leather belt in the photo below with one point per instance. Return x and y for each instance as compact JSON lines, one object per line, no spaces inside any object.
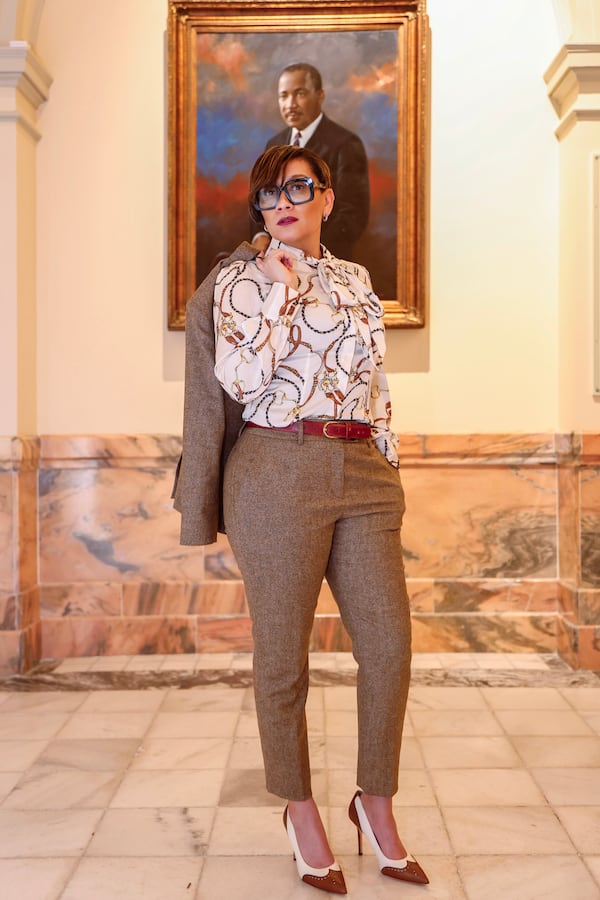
{"x":339,"y":429}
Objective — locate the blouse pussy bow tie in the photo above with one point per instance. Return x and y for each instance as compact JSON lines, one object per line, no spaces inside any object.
{"x":347,"y":290}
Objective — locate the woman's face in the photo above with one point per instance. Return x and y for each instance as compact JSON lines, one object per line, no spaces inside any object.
{"x":299,"y":225}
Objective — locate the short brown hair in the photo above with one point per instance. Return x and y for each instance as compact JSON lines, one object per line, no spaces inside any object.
{"x":270,"y":163}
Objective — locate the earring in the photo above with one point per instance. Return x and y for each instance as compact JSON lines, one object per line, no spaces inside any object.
{"x":265,"y":228}
{"x":325,"y":218}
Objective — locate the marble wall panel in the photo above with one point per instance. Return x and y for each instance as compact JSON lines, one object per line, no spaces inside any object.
{"x":72,"y":636}
{"x":568,"y":522}
{"x":113,"y":524}
{"x":219,"y":561}
{"x":81,"y":599}
{"x":27,"y":570}
{"x":472,"y":595}
{"x":484,"y":634}
{"x":329,"y":635}
{"x":11,"y":652}
{"x":590,"y":526}
{"x":224,"y":635}
{"x":177,"y":598}
{"x":481,"y":522}
{"x":578,"y":645}
{"x":588,"y":607}
{"x":8,"y":533}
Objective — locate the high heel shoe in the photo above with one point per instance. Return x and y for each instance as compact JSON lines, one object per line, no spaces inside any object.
{"x":406,"y":869}
{"x":330,"y":879}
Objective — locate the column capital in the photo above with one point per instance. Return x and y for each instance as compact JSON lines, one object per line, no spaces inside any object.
{"x":573,"y":80}
{"x":22,"y":69}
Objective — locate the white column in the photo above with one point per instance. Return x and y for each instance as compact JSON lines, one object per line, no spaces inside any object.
{"x":573,"y":80}
{"x":24,"y":86}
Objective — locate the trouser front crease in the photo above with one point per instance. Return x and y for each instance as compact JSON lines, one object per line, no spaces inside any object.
{"x":298,"y":509}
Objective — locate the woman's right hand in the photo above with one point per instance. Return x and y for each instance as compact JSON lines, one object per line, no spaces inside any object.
{"x":278,"y":265}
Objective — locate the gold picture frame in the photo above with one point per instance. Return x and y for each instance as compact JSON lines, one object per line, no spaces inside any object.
{"x":232,"y":51}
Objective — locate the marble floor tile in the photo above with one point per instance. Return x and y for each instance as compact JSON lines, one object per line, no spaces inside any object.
{"x":528,"y":878}
{"x":592,"y":720}
{"x":173,"y":754}
{"x":110,"y":663}
{"x":246,"y":753}
{"x":423,"y":697}
{"x":182,"y":832}
{"x":569,"y":786}
{"x":109,"y":755}
{"x":497,"y":794}
{"x":47,"y":701}
{"x":449,"y":722}
{"x":46,"y":833}
{"x":45,"y":787}
{"x":593,"y":864}
{"x":421,"y":828}
{"x":414,"y":788}
{"x":246,"y":787}
{"x":105,"y":725}
{"x":7,"y":782}
{"x":142,"y":790}
{"x":583,"y":826}
{"x":31,"y":726}
{"x":17,"y":756}
{"x":205,"y":724}
{"x":538,"y":752}
{"x":134,"y":879}
{"x":342,"y":697}
{"x":252,"y":831}
{"x":506,"y":830}
{"x":247,"y":725}
{"x":524,"y":698}
{"x":531,"y":661}
{"x":203,"y":699}
{"x":485,"y":752}
{"x":77,"y":664}
{"x":341,"y":723}
{"x":545,"y":721}
{"x":258,"y":878}
{"x":34,"y":879}
{"x":150,"y":663}
{"x":486,"y":787}
{"x":121,"y":701}
{"x":213,"y":660}
{"x":588,"y":699}
{"x":179,"y":662}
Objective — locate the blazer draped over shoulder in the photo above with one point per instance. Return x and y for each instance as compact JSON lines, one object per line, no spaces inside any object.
{"x":211,"y":419}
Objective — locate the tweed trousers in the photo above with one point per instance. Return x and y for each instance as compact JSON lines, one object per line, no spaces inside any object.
{"x":299,"y":508}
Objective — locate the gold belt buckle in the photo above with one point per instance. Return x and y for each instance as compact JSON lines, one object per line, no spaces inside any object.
{"x":334,"y":437}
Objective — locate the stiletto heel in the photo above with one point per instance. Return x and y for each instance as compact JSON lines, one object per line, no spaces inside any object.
{"x":407,"y":869}
{"x":328,"y":879}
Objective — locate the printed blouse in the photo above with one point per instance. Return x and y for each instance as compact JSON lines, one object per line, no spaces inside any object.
{"x":311,"y":353}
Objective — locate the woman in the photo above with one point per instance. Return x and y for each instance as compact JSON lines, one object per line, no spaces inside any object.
{"x":311,"y":489}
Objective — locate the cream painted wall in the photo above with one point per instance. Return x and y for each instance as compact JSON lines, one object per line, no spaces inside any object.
{"x":487,"y":361}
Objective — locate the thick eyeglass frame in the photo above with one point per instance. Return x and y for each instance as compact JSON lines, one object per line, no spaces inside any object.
{"x":284,"y":189}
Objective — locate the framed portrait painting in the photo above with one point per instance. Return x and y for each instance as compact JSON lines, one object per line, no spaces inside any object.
{"x":225,"y":60}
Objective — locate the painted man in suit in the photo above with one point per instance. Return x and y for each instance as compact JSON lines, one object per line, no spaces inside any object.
{"x":301,"y":97}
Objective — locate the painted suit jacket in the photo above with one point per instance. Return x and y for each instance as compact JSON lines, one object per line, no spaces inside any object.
{"x":344,"y":153}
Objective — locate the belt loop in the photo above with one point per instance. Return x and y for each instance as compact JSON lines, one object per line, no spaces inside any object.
{"x":301,"y":431}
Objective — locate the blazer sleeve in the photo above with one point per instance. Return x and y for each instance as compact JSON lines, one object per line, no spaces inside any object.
{"x":209,"y":418}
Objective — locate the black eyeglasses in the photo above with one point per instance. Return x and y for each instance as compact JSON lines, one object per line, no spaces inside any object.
{"x":297,"y":190}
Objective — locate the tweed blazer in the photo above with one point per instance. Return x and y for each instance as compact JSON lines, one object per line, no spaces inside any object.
{"x":211,"y":419}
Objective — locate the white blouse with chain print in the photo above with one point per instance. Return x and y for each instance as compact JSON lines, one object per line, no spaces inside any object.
{"x":311,"y":353}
